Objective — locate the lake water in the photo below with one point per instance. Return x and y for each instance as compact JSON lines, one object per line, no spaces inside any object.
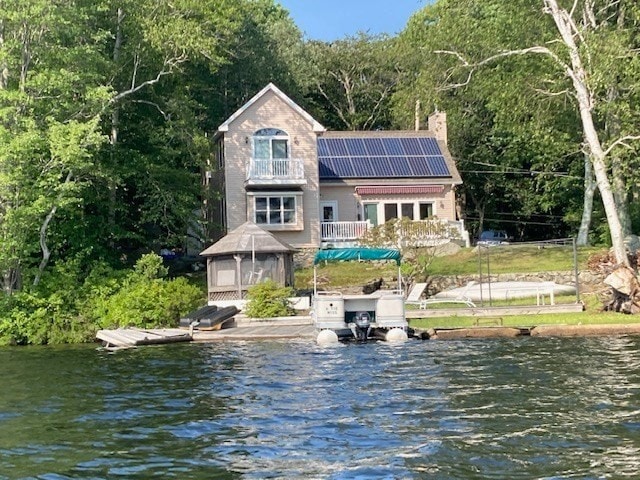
{"x":527,"y":408}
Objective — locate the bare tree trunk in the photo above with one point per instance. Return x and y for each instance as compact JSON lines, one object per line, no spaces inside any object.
{"x":12,"y":279}
{"x":4,"y":69}
{"x":46,"y":253}
{"x":618,"y":176}
{"x":115,"y":125}
{"x":44,"y":228}
{"x":577,"y":73}
{"x":25,"y":55}
{"x":587,"y":204}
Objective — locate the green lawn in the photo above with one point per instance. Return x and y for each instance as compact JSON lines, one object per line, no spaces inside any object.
{"x":511,"y":259}
{"x":503,"y":259}
{"x":592,"y":315}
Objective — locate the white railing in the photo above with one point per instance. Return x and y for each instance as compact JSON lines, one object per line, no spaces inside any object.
{"x":431,"y":229}
{"x":277,"y":168}
{"x":420,"y":231}
{"x":343,"y":231}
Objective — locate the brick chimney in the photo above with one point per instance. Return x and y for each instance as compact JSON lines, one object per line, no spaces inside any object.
{"x":438,"y":125}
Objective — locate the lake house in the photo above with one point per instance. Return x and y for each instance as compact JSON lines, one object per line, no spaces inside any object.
{"x":278,"y":167}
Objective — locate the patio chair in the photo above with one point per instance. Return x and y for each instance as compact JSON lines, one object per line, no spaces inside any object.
{"x":414,"y":297}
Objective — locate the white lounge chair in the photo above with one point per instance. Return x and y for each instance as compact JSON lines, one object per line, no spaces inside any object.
{"x":415,"y":298}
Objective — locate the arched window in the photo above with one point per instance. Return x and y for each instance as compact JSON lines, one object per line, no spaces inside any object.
{"x":270,"y":143}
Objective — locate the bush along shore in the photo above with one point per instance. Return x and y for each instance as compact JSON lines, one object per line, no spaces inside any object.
{"x":70,"y":305}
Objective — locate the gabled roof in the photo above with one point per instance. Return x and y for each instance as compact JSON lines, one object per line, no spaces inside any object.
{"x":247,"y":238}
{"x":317,"y":127}
{"x":385,"y":154}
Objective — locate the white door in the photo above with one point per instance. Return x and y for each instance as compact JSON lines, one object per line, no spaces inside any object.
{"x":329,"y":211}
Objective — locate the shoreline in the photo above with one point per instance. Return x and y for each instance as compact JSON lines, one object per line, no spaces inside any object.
{"x":596,"y":330}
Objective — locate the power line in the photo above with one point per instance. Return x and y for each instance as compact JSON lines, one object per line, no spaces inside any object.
{"x":524,"y":222}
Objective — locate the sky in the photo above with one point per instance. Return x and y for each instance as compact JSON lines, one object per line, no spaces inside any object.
{"x":330,"y":20}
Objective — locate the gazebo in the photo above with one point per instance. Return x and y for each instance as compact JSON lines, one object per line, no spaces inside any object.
{"x":244,"y":257}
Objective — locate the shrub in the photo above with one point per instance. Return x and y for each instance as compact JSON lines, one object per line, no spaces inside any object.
{"x":144,"y":300}
{"x":73,"y":302}
{"x":268,"y":299}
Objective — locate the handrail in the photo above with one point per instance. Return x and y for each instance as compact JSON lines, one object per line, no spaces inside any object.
{"x":276,"y":168}
{"x":343,"y":230}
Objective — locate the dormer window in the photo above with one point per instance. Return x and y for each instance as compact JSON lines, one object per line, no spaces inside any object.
{"x":270,"y":143}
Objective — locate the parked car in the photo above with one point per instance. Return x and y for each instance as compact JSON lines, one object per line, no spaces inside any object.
{"x":494,"y":237}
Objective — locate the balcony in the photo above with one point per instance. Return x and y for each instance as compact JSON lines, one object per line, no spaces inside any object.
{"x":276,"y":171}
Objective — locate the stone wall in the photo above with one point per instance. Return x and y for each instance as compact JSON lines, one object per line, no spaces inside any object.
{"x":303,"y":258}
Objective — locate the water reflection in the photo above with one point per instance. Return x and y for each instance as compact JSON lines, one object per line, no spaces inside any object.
{"x":525,"y":408}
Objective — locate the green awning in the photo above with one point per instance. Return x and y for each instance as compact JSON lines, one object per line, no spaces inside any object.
{"x":338,"y":254}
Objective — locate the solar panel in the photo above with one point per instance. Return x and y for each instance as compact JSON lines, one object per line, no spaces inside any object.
{"x":439,"y":166}
{"x":363,"y":168}
{"x":419,"y":167}
{"x":323,"y":148}
{"x":392,"y":146}
{"x":400,"y":167}
{"x":411,"y":146}
{"x":430,"y":146}
{"x":334,"y":146}
{"x":374,"y":147}
{"x":343,"y":168}
{"x":380,"y":157}
{"x":382,"y":166}
{"x":355,"y":147}
{"x":325,"y":169}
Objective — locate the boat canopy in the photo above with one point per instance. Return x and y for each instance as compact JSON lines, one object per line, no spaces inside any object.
{"x":362,"y":253}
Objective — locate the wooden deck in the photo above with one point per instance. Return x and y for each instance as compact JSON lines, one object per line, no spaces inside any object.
{"x":242,"y":331}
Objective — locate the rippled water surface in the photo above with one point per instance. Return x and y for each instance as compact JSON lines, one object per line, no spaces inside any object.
{"x":526,"y":408}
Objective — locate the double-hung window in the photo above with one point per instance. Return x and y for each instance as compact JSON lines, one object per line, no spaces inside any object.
{"x":275,"y":210}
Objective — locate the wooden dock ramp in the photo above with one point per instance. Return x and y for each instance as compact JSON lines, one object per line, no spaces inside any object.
{"x":132,"y":337}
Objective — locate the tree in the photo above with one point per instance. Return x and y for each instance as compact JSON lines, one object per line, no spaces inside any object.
{"x":570,"y":56}
{"x":95,"y":125}
{"x":514,"y":145}
{"x":419,"y":243}
{"x":48,"y":123}
{"x":156,"y":144}
{"x":351,"y":81}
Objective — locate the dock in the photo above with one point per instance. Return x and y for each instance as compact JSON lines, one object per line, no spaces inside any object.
{"x":133,"y":337}
{"x":256,"y":333}
{"x":238,"y":328}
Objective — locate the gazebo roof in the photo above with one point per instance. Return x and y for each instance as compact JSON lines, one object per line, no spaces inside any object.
{"x":247,"y":238}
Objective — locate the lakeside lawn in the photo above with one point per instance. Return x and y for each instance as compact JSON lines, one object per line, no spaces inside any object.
{"x":512,"y":258}
{"x":509,"y":259}
{"x":592,"y":315}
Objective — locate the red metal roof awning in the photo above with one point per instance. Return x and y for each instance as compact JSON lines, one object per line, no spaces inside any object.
{"x":399,"y":189}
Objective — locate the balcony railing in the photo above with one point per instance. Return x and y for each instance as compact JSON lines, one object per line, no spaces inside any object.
{"x":343,"y":231}
{"x":277,"y":170}
{"x":421,"y":232}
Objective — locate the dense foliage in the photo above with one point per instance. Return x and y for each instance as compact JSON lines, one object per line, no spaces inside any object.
{"x":107,"y":107}
{"x":70,"y":304}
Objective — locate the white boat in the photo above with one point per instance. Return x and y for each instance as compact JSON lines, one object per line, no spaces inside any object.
{"x":379,"y":315}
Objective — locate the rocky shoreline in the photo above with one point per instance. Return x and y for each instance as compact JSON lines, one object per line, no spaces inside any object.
{"x":602,"y":330}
